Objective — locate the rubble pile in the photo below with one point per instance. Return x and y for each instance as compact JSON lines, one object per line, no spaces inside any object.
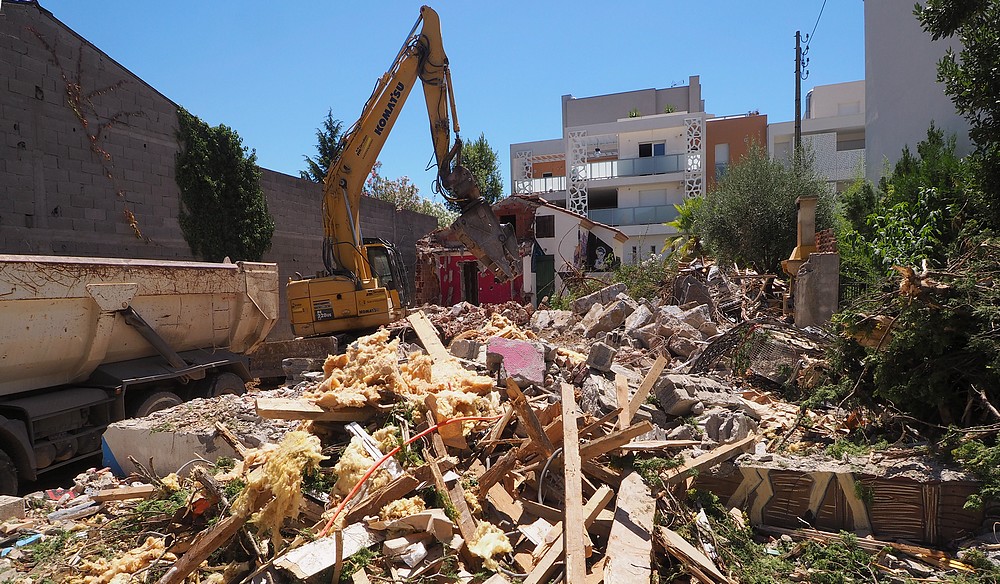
{"x":501,"y":444}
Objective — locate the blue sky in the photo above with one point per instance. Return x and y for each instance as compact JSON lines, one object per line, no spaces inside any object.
{"x":271,"y":70}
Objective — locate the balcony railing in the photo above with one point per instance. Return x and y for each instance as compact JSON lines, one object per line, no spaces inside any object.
{"x":607,"y":169}
{"x":633,"y":215}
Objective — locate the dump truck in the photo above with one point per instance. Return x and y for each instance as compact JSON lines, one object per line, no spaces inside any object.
{"x":85,"y":342}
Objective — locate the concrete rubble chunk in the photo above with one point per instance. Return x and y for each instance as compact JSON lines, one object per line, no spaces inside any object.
{"x":598,"y":395}
{"x":295,"y":368}
{"x":725,"y":426}
{"x":590,"y":318}
{"x":523,"y":361}
{"x":467,"y":349}
{"x":603,"y":296}
{"x":552,"y":320}
{"x":649,"y":336}
{"x":601,"y":356}
{"x":677,"y":393}
{"x":611,"y":318}
{"x":681,"y":346}
{"x":640,"y":317}
{"x":697,"y":316}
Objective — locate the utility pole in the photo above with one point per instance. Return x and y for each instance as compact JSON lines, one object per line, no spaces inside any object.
{"x":800,"y":73}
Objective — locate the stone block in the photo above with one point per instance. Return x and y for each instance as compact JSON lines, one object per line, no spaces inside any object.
{"x":724,"y":426}
{"x":603,"y":296}
{"x":467,"y":349}
{"x":678,"y":393}
{"x":649,"y":336}
{"x":601,"y":356}
{"x":11,"y":507}
{"x":523,"y":361}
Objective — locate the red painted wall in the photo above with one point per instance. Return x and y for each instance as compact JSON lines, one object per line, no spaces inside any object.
{"x":490,"y":291}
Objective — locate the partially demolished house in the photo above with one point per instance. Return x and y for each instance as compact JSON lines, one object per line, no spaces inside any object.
{"x":556,"y":245}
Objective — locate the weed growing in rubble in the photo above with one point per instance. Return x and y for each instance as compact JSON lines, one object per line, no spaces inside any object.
{"x":224,"y":464}
{"x":651,"y":469}
{"x":365,"y":558}
{"x":845,"y":448}
{"x":50,"y":547}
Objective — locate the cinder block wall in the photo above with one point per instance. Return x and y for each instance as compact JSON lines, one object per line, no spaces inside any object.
{"x":71,"y":175}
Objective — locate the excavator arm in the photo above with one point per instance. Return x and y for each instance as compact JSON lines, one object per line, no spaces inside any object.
{"x":421,"y":57}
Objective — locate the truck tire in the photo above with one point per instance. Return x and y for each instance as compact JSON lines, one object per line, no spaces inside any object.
{"x":227,"y":383}
{"x":156,"y":401}
{"x":8,"y":475}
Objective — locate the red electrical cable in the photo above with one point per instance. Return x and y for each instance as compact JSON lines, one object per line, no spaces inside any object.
{"x":357,"y":487}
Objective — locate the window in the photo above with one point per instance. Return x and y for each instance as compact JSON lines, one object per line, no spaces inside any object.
{"x":721,"y":160}
{"x":635,"y":254}
{"x":546,"y":175}
{"x":545,"y":226}
{"x":648,"y":149}
{"x":652,"y":250}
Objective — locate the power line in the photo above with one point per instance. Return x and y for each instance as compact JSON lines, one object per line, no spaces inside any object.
{"x":810,"y":37}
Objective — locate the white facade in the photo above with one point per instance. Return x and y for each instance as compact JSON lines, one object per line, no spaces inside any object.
{"x":902,"y":90}
{"x":624,"y":160}
{"x":833,"y":130}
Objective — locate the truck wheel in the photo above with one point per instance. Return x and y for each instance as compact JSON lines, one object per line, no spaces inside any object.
{"x":8,"y":475}
{"x":156,"y":401}
{"x":227,"y":383}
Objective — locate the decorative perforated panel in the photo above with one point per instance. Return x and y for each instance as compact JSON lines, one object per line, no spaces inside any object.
{"x":522,"y":165}
{"x":694,"y":167}
{"x":577,"y":200}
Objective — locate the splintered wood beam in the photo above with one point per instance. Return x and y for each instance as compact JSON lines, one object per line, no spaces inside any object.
{"x":630,"y":546}
{"x":613,"y":441}
{"x":576,"y":565}
{"x":591,"y":510}
{"x":692,"y":558}
{"x":124,"y":493}
{"x":500,"y":468}
{"x":647,"y":384}
{"x":428,"y":336}
{"x":589,"y":429}
{"x":232,"y":439}
{"x":456,"y":495}
{"x":708,"y":460}
{"x":527,"y":417}
{"x":280,"y":408}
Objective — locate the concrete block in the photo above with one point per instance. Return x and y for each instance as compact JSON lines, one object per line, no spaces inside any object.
{"x":681,"y":346}
{"x":523,"y":361}
{"x":11,"y":507}
{"x":598,"y":395}
{"x":167,"y":448}
{"x":603,"y":296}
{"x":724,"y":426}
{"x":601,"y":356}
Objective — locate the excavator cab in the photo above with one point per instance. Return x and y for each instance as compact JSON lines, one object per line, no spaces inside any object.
{"x":387,"y":265}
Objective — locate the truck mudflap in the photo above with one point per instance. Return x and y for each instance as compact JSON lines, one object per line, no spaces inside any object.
{"x":494,"y":244}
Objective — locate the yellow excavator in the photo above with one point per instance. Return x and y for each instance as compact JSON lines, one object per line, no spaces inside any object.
{"x":364,"y":282}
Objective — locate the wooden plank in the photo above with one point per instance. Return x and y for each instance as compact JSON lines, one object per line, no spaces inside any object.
{"x":591,"y":510}
{"x":656,"y":445}
{"x":232,"y":439}
{"x":588,"y":430}
{"x":630,"y":547}
{"x":429,"y":338}
{"x":124,"y":493}
{"x":504,"y":503}
{"x":280,"y":408}
{"x":537,"y":509}
{"x":679,"y":547}
{"x":709,"y":459}
{"x":646,"y":386}
{"x":621,"y":393}
{"x":596,"y":573}
{"x":613,"y":441}
{"x":500,"y":468}
{"x":576,"y":565}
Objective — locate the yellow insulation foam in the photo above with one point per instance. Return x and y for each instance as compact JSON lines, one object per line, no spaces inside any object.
{"x":120,"y":569}
{"x":402,"y":508}
{"x":281,"y":474}
{"x":490,"y":541}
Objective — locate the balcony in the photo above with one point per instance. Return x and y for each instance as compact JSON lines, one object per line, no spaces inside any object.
{"x":608,"y":169}
{"x":633,"y":215}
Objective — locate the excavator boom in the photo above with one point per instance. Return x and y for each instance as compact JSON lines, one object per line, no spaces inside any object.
{"x":350,"y":295}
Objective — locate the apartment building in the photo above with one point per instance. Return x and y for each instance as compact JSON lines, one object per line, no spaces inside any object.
{"x":833,"y":130}
{"x":623,"y":160}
